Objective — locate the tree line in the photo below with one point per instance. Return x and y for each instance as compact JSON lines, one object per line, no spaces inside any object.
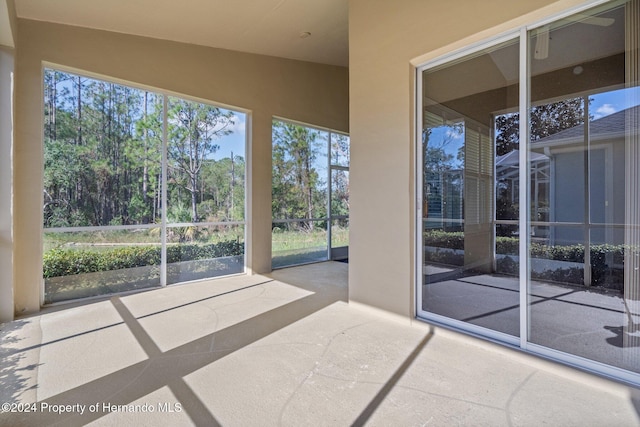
{"x":300,"y":173}
{"x":103,"y":156}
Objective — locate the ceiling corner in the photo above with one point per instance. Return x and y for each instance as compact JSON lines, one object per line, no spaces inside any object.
{"x":7,"y":21}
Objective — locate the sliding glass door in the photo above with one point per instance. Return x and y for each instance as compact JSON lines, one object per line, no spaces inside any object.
{"x":458,"y":230}
{"x":536,"y":244}
{"x":585,"y":105}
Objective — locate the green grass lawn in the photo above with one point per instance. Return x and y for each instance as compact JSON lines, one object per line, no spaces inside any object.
{"x":99,"y":240}
{"x":281,"y":240}
{"x":303,"y":239}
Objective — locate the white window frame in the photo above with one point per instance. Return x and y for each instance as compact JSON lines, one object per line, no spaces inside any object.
{"x":163,"y":225}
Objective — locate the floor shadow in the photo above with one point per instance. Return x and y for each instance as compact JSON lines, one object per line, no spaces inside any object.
{"x":366,"y":414}
{"x":453,"y":274}
{"x":517,"y":306}
{"x":166,"y":369}
{"x":13,"y":376}
{"x":622,"y":338}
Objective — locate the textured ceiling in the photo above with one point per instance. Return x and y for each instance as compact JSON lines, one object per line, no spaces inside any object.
{"x":268,"y":27}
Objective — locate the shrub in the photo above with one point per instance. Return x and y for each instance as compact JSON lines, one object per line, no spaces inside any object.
{"x":603,"y":258}
{"x":507,"y":245}
{"x":65,"y":262}
{"x":445,"y":257}
{"x":444,"y":239}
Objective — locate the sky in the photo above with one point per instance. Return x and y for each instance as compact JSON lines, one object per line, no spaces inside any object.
{"x":608,"y":103}
{"x":235,"y":141}
{"x":450,"y":141}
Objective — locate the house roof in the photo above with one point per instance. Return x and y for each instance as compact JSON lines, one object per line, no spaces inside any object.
{"x":604,"y":127}
{"x":512,"y":158}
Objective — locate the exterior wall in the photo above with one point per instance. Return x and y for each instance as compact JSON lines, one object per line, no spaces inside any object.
{"x":607,"y":204}
{"x":6,"y":135}
{"x":266,"y":86}
{"x":386,"y":41}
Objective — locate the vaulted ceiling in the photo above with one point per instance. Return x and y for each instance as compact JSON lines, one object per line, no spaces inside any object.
{"x":308,"y":30}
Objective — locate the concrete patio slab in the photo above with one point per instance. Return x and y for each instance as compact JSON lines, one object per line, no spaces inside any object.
{"x":280,"y":349}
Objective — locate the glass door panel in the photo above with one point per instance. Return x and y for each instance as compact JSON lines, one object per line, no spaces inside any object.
{"x":584,"y":114}
{"x":461,"y":142}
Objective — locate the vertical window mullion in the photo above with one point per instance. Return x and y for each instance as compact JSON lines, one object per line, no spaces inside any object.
{"x":524,"y":186}
{"x":587,"y":195}
{"x":419,"y":189}
{"x":329,"y":196}
{"x":524,"y":195}
{"x":163,"y":196}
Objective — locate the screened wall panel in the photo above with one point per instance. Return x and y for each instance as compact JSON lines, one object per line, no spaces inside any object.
{"x":140,"y":189}
{"x":310,"y":194}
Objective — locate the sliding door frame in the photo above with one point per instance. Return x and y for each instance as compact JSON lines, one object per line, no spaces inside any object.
{"x":522,"y":34}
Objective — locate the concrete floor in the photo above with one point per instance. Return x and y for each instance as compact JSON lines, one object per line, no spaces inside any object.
{"x":280,"y":349}
{"x":576,"y":320}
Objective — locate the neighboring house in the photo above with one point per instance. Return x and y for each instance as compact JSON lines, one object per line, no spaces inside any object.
{"x":599,"y":201}
{"x":556,"y":161}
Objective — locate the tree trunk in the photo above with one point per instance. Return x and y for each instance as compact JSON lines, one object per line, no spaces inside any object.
{"x":54,"y":95}
{"x":309,"y":190}
{"x":78,"y":189}
{"x":194,"y":198}
{"x":79,"y":113}
{"x":233,"y":184}
{"x":145,"y":169}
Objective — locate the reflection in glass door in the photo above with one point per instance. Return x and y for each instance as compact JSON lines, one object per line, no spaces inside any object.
{"x":538,"y":247}
{"x":585,"y":104}
{"x":459,"y":284}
